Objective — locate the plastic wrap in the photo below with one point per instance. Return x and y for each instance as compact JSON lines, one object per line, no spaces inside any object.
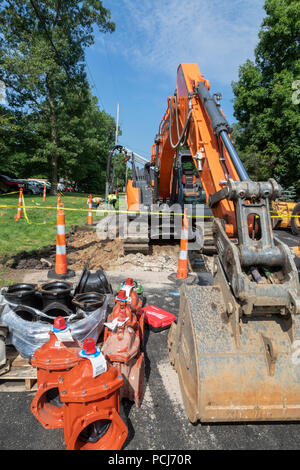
{"x":27,"y":336}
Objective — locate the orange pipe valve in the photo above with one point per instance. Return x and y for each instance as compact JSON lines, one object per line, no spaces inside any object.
{"x":130,"y":287}
{"x":52,"y":360}
{"x":91,"y":396}
{"x":122,"y":347}
{"x":135,"y":302}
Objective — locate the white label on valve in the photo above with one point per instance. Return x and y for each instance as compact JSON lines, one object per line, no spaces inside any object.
{"x":99,"y":365}
{"x":97,"y":360}
{"x":64,"y":336}
{"x":128,"y":290}
{"x":115,"y":323}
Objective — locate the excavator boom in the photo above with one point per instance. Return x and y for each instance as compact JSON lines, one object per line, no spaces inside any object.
{"x":232,"y":346}
{"x":236,"y":343}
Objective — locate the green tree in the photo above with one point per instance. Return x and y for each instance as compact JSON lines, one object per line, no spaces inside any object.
{"x":42,"y":64}
{"x":120,"y":171}
{"x":267,"y":134}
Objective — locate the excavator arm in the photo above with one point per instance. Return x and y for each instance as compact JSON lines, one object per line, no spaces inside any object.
{"x":193,"y":118}
{"x":232,"y":345}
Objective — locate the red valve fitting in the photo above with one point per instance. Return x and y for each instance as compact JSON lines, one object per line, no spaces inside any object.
{"x":89,"y":346}
{"x":129,"y":287}
{"x":122,"y":295}
{"x":122,"y":347}
{"x":59,"y":323}
{"x":91,"y":408}
{"x":52,"y":360}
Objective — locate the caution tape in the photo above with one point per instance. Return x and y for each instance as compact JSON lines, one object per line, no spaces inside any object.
{"x":115,"y":212}
{"x":105,"y":211}
{"x":7,"y":194}
{"x":27,"y":219}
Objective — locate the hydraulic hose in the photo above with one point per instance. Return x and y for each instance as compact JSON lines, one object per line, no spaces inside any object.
{"x":241,"y":171}
{"x":183,"y":130}
{"x":221,"y":128}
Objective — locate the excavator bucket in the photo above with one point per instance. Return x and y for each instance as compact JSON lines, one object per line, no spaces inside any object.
{"x":219,"y":381}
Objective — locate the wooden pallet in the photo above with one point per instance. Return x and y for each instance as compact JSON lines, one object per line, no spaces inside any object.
{"x":21,"y":376}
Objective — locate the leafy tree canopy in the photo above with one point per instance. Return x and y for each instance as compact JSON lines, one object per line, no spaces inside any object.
{"x":267,"y":134}
{"x":52,"y":126}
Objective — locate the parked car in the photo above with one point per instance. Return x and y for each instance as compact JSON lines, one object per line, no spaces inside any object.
{"x":34,"y":187}
{"x":42,"y":183}
{"x":8,"y":184}
{"x":61,"y":187}
{"x":37,"y":186}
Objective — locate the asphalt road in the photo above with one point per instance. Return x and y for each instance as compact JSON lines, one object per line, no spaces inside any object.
{"x":160,"y":423}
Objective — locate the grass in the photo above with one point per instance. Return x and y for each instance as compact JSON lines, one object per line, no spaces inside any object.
{"x":4,"y":281}
{"x":24,"y":236}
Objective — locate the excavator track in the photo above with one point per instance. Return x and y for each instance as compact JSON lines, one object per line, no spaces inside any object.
{"x":141,"y":242}
{"x":136,"y":245}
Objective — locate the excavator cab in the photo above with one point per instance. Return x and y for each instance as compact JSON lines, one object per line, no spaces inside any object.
{"x":192,"y":189}
{"x":186,"y":187}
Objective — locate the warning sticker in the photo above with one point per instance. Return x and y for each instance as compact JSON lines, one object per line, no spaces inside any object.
{"x":64,"y":336}
{"x":97,"y":360}
{"x":115,"y":323}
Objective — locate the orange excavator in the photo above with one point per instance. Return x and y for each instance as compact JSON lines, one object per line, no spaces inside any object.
{"x":235,"y":343}
{"x":232,"y":346}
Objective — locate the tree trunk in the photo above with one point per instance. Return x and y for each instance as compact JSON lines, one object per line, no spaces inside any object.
{"x":53,"y":133}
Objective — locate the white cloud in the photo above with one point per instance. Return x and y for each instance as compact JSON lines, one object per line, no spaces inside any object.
{"x":159,"y":34}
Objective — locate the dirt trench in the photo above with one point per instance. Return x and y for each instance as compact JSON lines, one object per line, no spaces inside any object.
{"x":85,"y":249}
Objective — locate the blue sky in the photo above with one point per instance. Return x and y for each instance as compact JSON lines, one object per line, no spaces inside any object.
{"x":136,"y":65}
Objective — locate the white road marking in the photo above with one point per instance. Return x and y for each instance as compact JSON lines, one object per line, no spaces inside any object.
{"x":171,"y":383}
{"x":147,"y":409}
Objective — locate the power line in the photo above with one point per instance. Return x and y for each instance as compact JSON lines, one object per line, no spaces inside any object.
{"x":42,"y":20}
{"x":94,"y":83}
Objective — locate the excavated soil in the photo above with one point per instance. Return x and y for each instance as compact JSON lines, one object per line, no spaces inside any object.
{"x":85,"y":249}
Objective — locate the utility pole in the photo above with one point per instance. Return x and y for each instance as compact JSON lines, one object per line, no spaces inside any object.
{"x":116,"y":139}
{"x":117,"y":126}
{"x":116,"y":143}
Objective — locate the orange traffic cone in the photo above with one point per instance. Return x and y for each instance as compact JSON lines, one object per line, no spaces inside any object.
{"x":182,"y":270}
{"x":19,"y":212}
{"x":61,"y":270}
{"x":90,"y":216}
{"x":58,"y":200}
{"x":44,"y":193}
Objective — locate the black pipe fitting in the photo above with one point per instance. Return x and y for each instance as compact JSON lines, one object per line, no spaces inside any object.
{"x":93,"y":282}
